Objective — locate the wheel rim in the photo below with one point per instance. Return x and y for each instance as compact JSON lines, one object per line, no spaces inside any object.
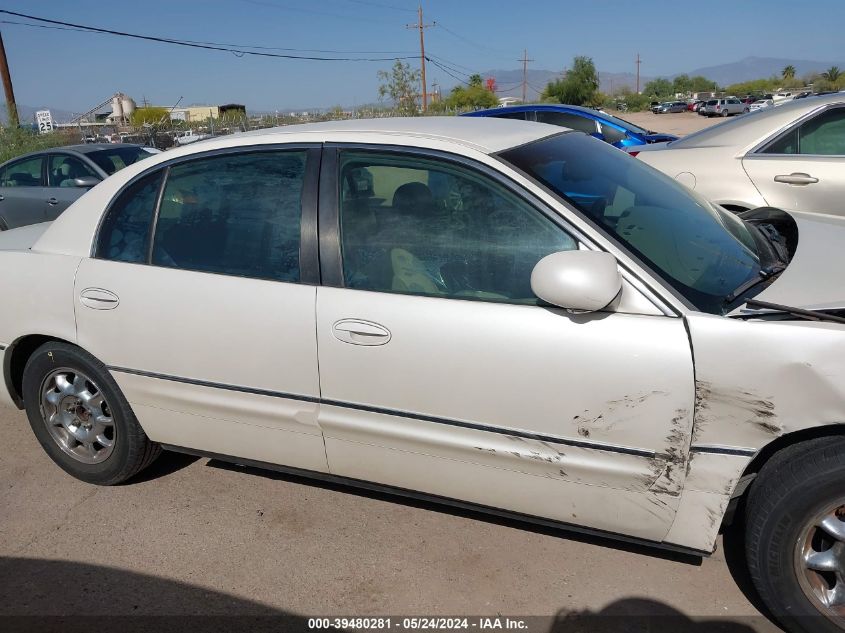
{"x":820,"y":561}
{"x":77,"y":416}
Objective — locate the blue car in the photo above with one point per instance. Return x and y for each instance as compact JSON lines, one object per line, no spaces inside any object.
{"x":606,"y":127}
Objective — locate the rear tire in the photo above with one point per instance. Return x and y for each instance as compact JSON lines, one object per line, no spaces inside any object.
{"x":724,"y":113}
{"x":795,"y":535}
{"x":80,"y":417}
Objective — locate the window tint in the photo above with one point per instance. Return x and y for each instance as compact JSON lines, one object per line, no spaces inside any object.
{"x":63,"y":169}
{"x":566,"y":119}
{"x":234,"y":215}
{"x":422,"y":226}
{"x":511,"y":115}
{"x":611,"y":134}
{"x":114,"y":159}
{"x":24,"y":173}
{"x":125,"y":233}
{"x":823,"y":135}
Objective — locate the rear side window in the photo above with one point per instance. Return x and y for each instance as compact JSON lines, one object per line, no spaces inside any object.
{"x":125,"y":232}
{"x":823,"y":135}
{"x":233,"y":215}
{"x":520,"y":116}
{"x":565,"y":119}
{"x":24,"y":173}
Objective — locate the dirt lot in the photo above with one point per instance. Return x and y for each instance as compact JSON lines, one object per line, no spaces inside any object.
{"x":197,"y":536}
{"x":680,"y":123}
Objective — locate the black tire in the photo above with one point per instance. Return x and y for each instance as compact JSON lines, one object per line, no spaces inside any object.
{"x":794,"y":486}
{"x":724,"y":113}
{"x":132,"y":451}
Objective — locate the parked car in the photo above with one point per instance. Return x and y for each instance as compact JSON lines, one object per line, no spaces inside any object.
{"x":761,"y":105}
{"x":724,"y":107}
{"x":671,"y":106}
{"x":513,"y":317}
{"x":790,"y":157}
{"x":616,"y":131}
{"x":694,"y":104}
{"x":37,"y":187}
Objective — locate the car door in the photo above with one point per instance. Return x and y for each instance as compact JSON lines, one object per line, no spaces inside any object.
{"x":61,"y":190}
{"x":441,"y":372}
{"x":200,"y":299}
{"x":22,"y":198}
{"x":802,"y":169}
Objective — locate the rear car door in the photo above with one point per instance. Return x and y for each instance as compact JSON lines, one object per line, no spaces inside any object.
{"x":200,"y":299}
{"x":62,"y":191}
{"x":441,"y":372}
{"x":803,"y":168}
{"x":23,"y":198}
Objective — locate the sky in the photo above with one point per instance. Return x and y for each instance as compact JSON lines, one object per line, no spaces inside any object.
{"x":75,"y":71}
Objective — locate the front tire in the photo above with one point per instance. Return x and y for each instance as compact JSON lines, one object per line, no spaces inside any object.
{"x":80,"y":417}
{"x":795,"y":535}
{"x":724,"y":113}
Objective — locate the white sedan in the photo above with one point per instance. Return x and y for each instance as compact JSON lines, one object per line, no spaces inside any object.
{"x":791,"y":157}
{"x":479,"y":311}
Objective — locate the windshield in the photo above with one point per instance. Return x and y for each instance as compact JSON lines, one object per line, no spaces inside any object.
{"x":700,"y":250}
{"x":112,"y":160}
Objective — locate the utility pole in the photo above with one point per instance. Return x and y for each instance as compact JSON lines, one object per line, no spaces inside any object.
{"x":11,"y":106}
{"x":524,"y":61}
{"x":639,"y":61}
{"x":419,"y":25}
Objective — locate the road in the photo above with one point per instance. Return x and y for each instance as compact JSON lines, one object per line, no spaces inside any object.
{"x":196,"y":536}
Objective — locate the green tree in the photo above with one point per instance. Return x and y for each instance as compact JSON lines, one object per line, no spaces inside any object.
{"x":788,"y":72}
{"x":150,"y":115}
{"x":832,"y":74}
{"x":701,"y":84}
{"x":400,"y":84}
{"x":681,"y":83}
{"x":472,"y":96}
{"x":659,"y":88}
{"x":475,"y":80}
{"x":578,"y":87}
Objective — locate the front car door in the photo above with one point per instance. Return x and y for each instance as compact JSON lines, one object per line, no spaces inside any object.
{"x":23,"y":199}
{"x":441,"y":372}
{"x":201,"y":300}
{"x":62,"y":191}
{"x":801,"y":169}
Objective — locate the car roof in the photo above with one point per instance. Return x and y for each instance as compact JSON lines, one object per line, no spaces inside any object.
{"x":536,"y":107}
{"x":488,"y":135}
{"x":745,"y":130}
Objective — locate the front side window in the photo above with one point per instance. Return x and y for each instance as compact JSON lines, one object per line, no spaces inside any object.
{"x":823,"y":135}
{"x":565,"y":119}
{"x":701,"y":251}
{"x":24,"y":173}
{"x":64,"y":169}
{"x":428,"y":227}
{"x":125,"y":232}
{"x":235,"y":214}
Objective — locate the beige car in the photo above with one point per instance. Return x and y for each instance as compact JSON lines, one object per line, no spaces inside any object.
{"x":791,"y":157}
{"x":483,"y":312}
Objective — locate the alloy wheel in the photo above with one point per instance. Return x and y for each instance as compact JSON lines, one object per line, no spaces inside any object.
{"x":820,"y":562}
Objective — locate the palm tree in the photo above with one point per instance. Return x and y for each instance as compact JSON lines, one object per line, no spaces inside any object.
{"x":788,"y":72}
{"x":832,"y":74}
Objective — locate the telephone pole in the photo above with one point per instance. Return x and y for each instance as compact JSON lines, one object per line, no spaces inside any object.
{"x":639,"y":61}
{"x":11,"y":106}
{"x":422,"y":27}
{"x":524,"y":61}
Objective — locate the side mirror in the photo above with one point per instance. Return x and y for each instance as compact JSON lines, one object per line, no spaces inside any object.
{"x":585,"y":281}
{"x":86,"y":181}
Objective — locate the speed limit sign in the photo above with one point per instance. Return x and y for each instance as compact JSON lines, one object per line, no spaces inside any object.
{"x":44,"y":120}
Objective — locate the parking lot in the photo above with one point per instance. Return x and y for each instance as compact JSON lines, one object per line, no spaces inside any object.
{"x":680,"y":123}
{"x":198,"y":536}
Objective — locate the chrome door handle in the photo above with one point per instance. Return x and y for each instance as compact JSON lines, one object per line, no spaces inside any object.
{"x":2,"y":198}
{"x":99,"y":299}
{"x":52,"y":201}
{"x":359,"y":332}
{"x":797,"y":178}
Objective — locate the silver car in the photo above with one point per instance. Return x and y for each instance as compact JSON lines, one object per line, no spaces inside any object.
{"x":478,"y":311}
{"x":724,"y":107}
{"x":791,"y":157}
{"x":37,"y":187}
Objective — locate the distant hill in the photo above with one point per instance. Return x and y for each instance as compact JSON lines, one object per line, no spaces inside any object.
{"x":26,"y":114}
{"x":758,"y":68}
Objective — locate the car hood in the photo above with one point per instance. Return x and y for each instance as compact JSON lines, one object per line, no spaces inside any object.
{"x":813,"y":279}
{"x":22,"y":238}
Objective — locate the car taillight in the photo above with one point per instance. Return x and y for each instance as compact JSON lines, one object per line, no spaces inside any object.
{"x":633,"y":153}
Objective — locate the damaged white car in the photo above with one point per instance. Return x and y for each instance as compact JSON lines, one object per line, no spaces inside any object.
{"x":483,"y":311}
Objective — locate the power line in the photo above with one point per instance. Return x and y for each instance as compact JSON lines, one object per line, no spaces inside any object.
{"x":448,"y":72}
{"x":214,"y":47}
{"x":268,"y":48}
{"x":382,"y":6}
{"x":273,"y":5}
{"x":469,"y":41}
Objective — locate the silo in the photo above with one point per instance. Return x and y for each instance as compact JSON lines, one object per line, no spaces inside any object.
{"x":128,"y":105}
{"x":117,"y":107}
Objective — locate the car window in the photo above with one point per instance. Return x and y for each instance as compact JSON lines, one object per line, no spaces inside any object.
{"x":566,"y":119}
{"x":823,"y":135}
{"x":427,"y":227}
{"x":62,"y":169}
{"x":234,"y":215}
{"x":611,"y":134}
{"x":114,"y":159}
{"x":24,"y":173}
{"x":511,"y":115}
{"x":125,"y":232}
